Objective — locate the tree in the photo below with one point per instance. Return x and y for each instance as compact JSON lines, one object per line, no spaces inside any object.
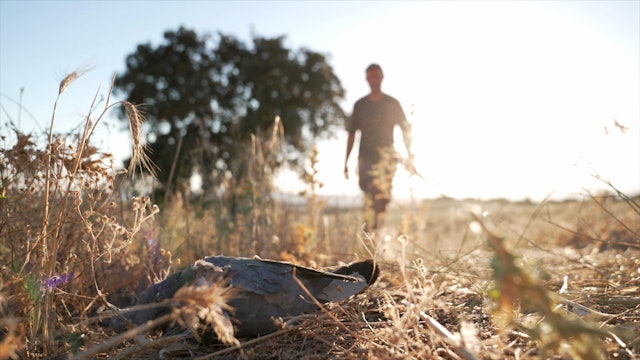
{"x":209,"y":94}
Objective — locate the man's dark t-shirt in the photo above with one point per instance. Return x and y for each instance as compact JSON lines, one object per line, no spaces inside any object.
{"x":376,"y":121}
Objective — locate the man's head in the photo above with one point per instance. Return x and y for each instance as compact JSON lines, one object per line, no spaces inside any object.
{"x":374,"y":77}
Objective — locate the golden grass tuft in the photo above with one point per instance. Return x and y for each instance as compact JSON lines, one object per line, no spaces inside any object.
{"x":204,"y":305}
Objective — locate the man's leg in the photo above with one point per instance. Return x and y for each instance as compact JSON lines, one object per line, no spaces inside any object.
{"x":366,"y":183}
{"x":370,"y":215}
{"x":382,"y":173}
{"x":380,"y":208}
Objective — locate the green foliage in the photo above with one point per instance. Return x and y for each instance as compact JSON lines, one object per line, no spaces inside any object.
{"x":206,"y":95}
{"x":33,"y":287}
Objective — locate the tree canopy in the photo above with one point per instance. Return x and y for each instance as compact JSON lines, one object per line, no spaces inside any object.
{"x":209,"y":93}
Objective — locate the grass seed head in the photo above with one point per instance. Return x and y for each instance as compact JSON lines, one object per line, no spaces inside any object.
{"x":207,"y":303}
{"x":64,"y":84}
{"x":139,"y":157}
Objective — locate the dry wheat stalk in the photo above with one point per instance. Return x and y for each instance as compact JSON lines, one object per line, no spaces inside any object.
{"x":139,"y":157}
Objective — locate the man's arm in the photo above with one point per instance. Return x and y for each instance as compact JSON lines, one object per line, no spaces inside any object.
{"x":406,"y":136}
{"x":350,"y":141}
{"x":404,"y":124}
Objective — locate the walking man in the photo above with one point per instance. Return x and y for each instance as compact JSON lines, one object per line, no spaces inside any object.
{"x":376,"y":116}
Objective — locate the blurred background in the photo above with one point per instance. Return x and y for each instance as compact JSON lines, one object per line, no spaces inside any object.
{"x":514,"y":100}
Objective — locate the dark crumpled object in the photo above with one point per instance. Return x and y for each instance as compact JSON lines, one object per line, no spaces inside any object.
{"x":268,"y":290}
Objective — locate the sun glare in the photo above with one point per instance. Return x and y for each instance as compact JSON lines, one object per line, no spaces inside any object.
{"x":516,"y":100}
{"x":504,"y":106}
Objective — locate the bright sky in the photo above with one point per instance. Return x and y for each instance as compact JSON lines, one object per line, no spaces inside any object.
{"x":511,"y":99}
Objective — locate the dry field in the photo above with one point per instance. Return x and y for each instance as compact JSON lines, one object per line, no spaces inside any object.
{"x":459,"y":279}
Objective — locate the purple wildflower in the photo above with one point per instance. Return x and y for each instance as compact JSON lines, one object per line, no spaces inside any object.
{"x":56,"y":281}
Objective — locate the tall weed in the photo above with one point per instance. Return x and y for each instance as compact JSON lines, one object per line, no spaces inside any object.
{"x":64,"y":230}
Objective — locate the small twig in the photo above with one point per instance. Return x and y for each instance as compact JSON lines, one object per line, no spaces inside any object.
{"x":438,"y":328}
{"x":319,"y":305}
{"x":327,"y":312}
{"x":126,"y":353}
{"x":629,"y":201}
{"x":612,"y":215}
{"x":580,"y":310}
{"x":246,"y":344}
{"x":146,"y":327}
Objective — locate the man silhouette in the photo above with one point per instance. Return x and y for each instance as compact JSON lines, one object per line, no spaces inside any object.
{"x":376,"y":116}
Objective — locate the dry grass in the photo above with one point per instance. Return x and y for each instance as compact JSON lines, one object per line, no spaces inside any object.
{"x":139,"y":157}
{"x":459,"y":279}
